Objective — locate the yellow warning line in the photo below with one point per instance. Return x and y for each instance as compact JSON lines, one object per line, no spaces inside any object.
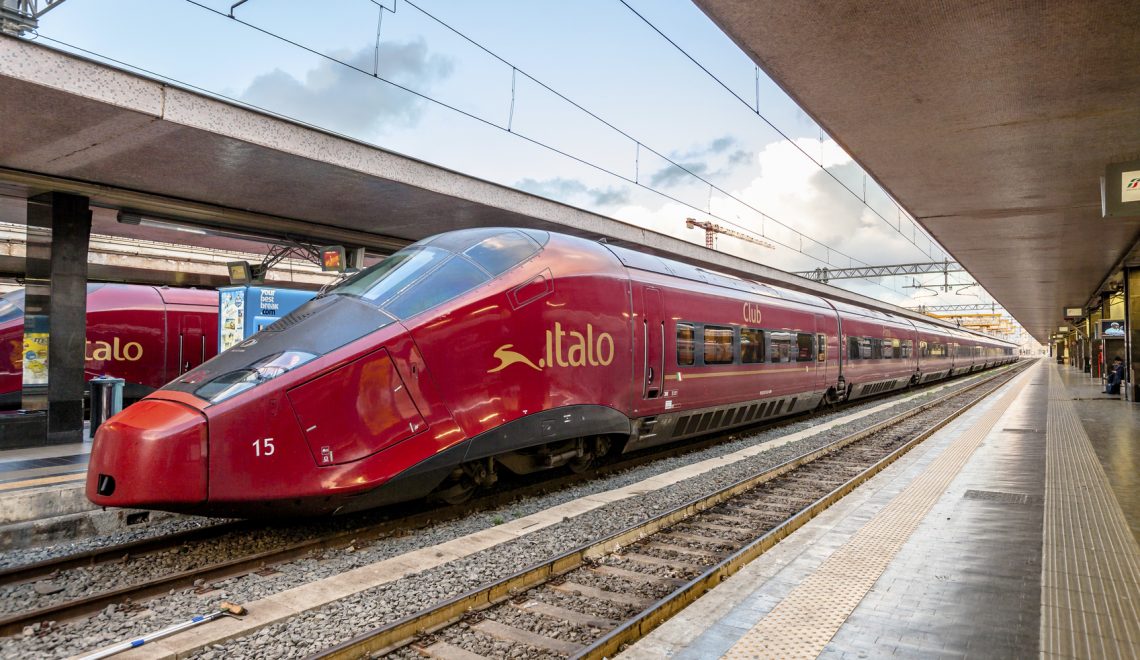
{"x":803,"y":623}
{"x":1090,"y":569}
{"x":43,"y":481}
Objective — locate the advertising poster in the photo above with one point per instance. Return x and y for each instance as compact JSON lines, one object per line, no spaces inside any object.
{"x":35,"y":358}
{"x":233,"y":318}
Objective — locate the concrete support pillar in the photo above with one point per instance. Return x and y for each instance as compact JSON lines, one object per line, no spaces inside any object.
{"x":55,"y":312}
{"x":1132,"y":334}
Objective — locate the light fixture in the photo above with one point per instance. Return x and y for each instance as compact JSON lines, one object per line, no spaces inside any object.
{"x":128,"y":218}
{"x":142,"y":219}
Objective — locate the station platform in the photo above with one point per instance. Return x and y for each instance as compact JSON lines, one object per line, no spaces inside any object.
{"x":1012,"y":532}
{"x":42,"y":496}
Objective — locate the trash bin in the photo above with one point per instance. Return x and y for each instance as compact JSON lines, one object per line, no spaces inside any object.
{"x":106,"y":399}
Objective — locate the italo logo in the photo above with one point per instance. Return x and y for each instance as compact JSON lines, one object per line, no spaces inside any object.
{"x":1133,"y":183}
{"x":563,"y":349}
{"x":132,"y":351}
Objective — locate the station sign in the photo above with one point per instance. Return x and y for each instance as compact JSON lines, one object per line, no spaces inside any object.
{"x":1120,"y":190}
{"x":1074,"y":312}
{"x":1063,"y":329}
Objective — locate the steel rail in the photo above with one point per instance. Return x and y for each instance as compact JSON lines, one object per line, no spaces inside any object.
{"x":399,"y":633}
{"x":28,"y":572}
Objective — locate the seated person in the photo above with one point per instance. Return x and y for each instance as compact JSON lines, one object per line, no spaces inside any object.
{"x":1115,"y":376}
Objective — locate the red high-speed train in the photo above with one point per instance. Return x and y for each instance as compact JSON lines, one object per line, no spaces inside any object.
{"x":146,"y":335}
{"x":484,"y":350}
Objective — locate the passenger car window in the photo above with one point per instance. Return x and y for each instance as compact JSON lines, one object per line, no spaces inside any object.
{"x":453,"y":278}
{"x":718,"y":344}
{"x":685,"y":338}
{"x":853,"y":352}
{"x":751,"y":345}
{"x":781,"y":347}
{"x":804,"y":348}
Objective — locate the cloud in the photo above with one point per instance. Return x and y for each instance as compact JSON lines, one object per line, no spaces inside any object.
{"x":713,"y":162}
{"x":740,"y":157}
{"x":720,"y":145}
{"x":673,"y":175}
{"x":338,"y":98}
{"x":565,"y":190}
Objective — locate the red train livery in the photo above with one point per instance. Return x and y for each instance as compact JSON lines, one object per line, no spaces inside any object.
{"x":484,"y":350}
{"x":145,"y":335}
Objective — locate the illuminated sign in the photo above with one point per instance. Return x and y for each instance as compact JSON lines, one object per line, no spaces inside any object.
{"x":332,"y":258}
{"x":1074,"y":312}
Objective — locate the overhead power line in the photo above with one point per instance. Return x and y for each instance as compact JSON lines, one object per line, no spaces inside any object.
{"x":973,"y":307}
{"x":824,"y":275}
{"x":635,"y":180}
{"x":756,"y":110}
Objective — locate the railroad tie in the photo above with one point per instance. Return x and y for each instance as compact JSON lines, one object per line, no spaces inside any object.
{"x":518,"y":636}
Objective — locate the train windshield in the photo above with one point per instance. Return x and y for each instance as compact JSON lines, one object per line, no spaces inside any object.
{"x":438,"y":269}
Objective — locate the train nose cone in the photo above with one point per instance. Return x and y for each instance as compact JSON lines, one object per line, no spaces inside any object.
{"x":151,"y":455}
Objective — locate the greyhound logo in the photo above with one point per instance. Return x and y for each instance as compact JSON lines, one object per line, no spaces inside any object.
{"x":563,"y":349}
{"x":507,"y":358}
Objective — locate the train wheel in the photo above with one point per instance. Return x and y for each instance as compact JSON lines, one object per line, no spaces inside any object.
{"x":596,"y":449}
{"x":458,"y":492}
{"x":461,"y":485}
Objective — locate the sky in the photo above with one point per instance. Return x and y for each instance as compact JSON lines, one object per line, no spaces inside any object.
{"x":639,"y":110}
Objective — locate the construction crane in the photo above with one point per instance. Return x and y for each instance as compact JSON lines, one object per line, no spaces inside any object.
{"x":711,"y":230}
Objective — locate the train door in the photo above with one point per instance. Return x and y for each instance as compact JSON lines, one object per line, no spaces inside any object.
{"x":651,"y":336}
{"x":191,"y":342}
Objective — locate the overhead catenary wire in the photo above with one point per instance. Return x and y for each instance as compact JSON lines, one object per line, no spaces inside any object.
{"x":756,"y":110}
{"x":571,"y":102}
{"x":829,"y":251}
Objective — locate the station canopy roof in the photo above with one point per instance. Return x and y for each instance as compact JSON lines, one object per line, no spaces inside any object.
{"x":990,"y":122}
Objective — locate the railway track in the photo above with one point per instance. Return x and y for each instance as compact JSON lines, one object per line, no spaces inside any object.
{"x":120,"y":559}
{"x":592,"y":601}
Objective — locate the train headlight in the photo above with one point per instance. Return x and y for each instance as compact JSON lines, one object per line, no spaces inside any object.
{"x":235,"y":382}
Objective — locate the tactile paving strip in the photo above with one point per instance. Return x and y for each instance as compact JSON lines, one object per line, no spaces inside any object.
{"x":801,"y":625}
{"x":1090,"y":571}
